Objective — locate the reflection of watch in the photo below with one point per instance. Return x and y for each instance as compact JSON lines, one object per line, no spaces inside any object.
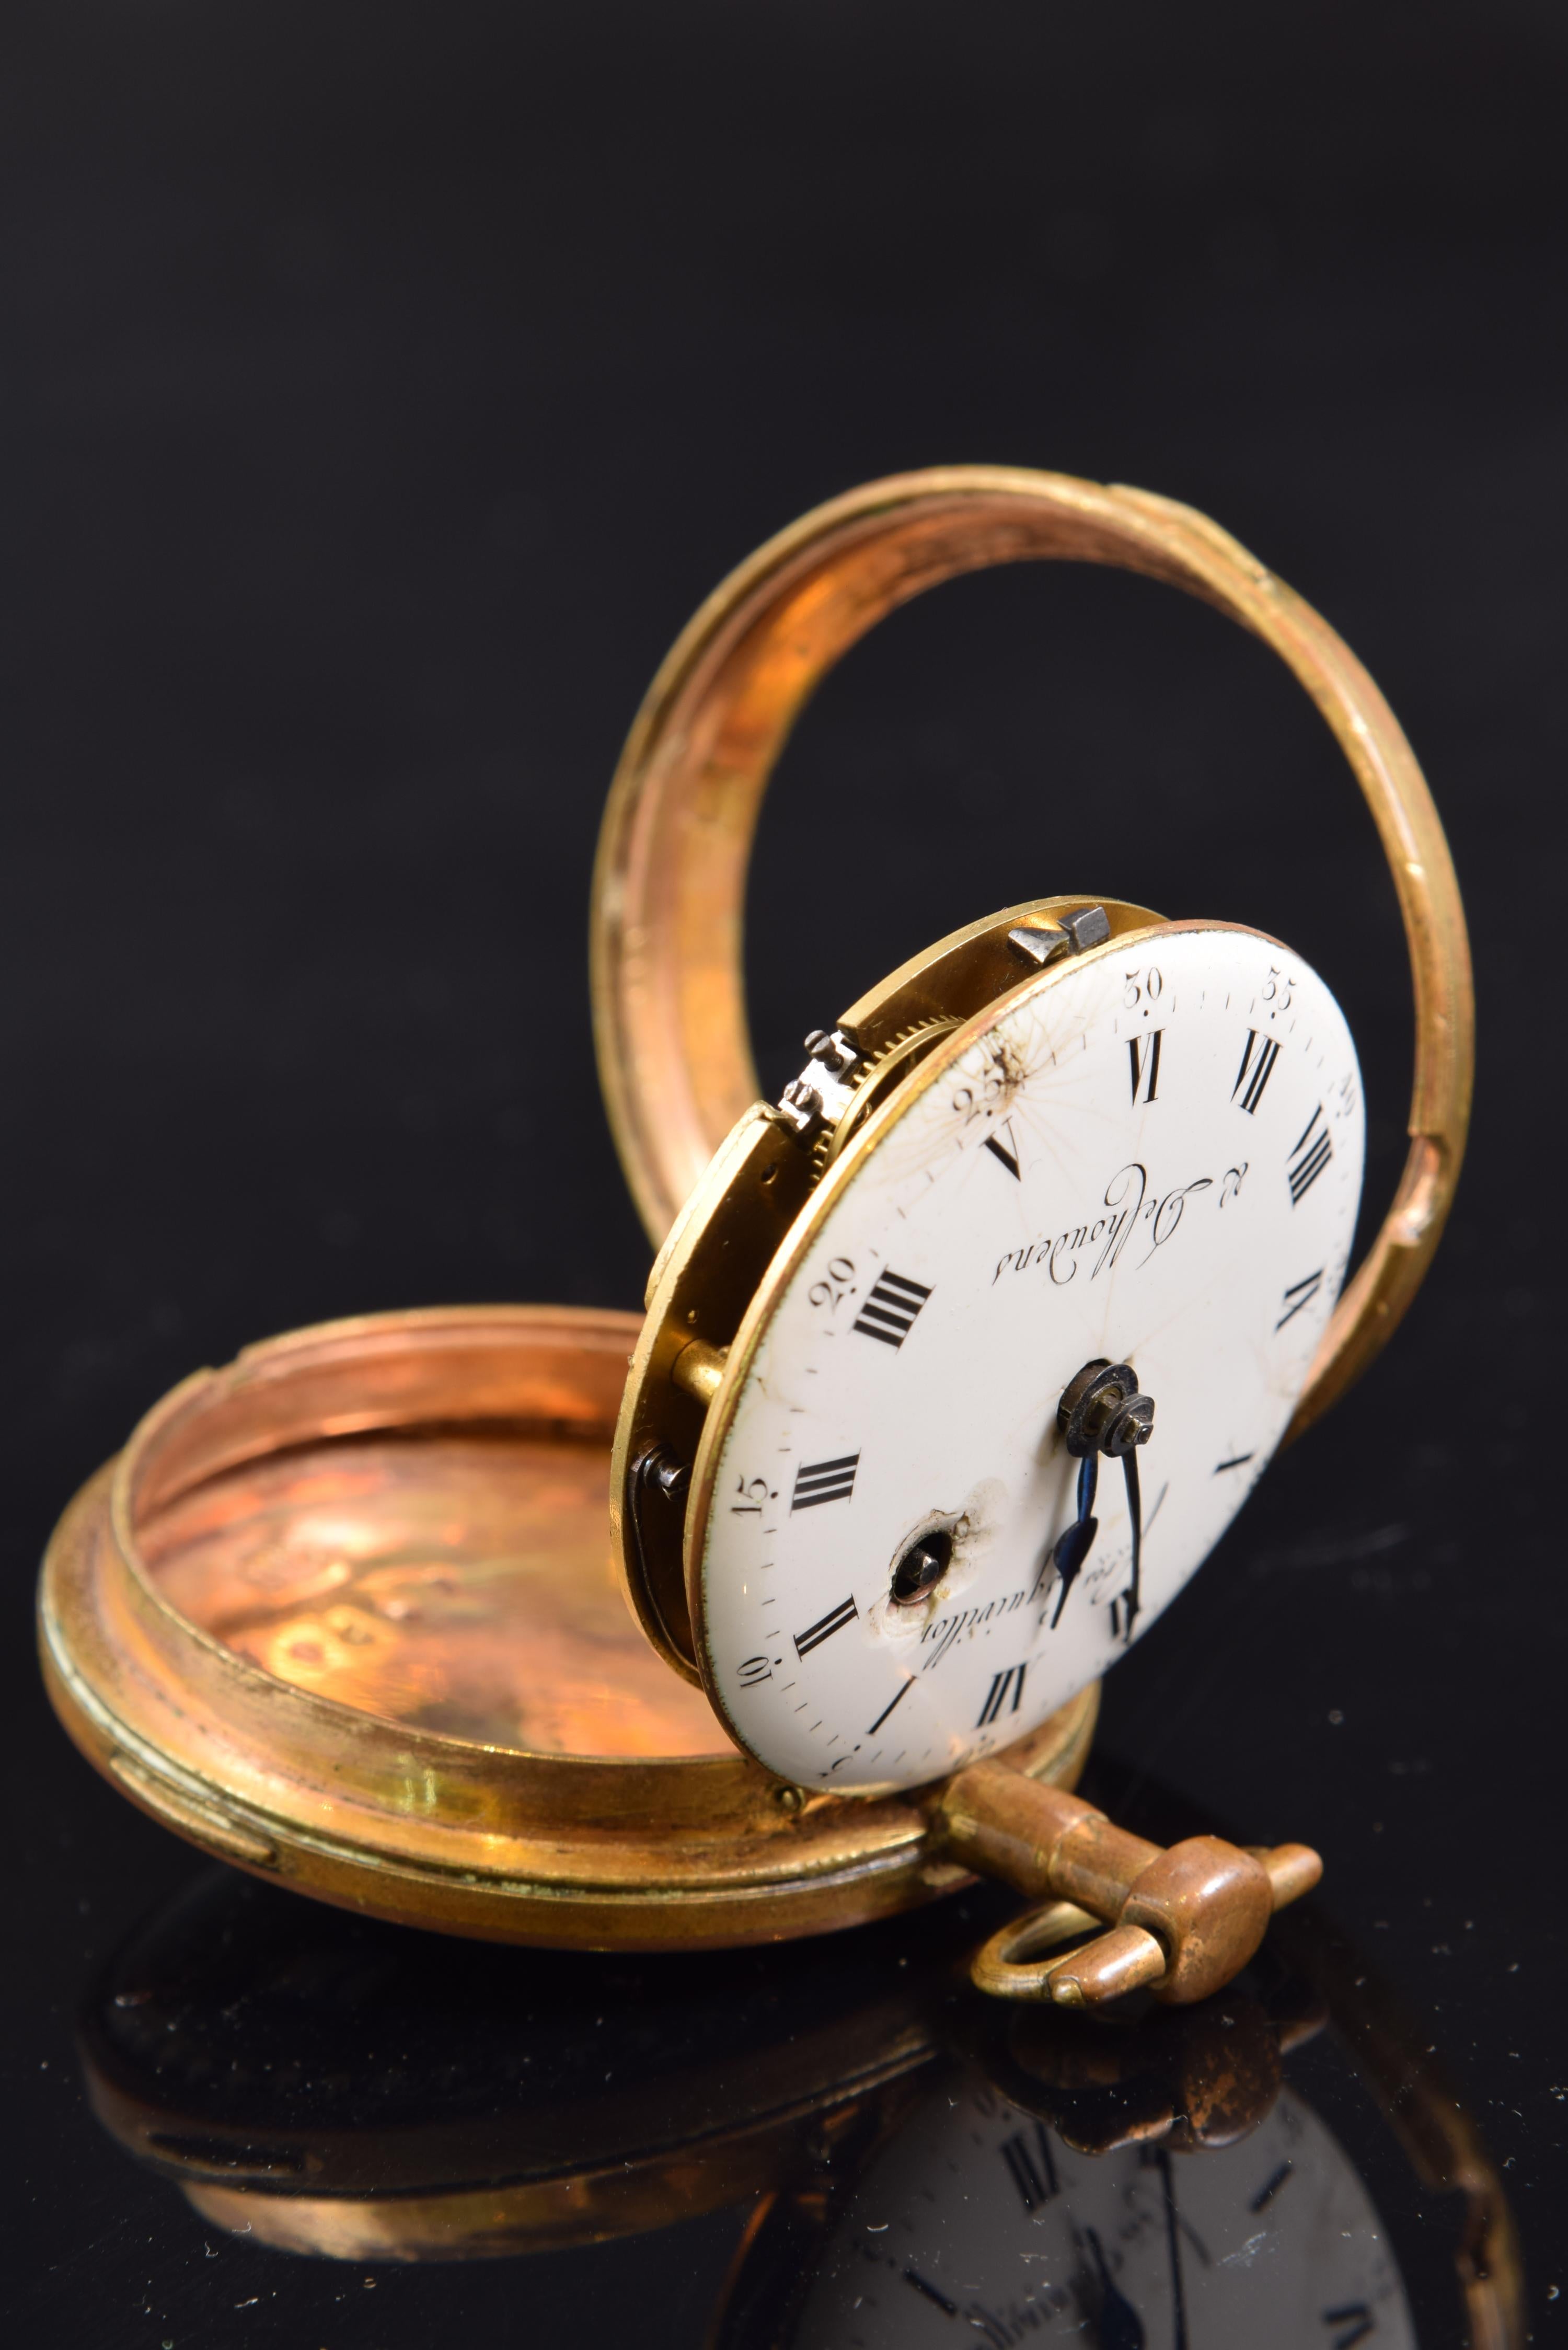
{"x":329,"y":2085}
{"x":320,"y":2083}
{"x":977,"y":2213}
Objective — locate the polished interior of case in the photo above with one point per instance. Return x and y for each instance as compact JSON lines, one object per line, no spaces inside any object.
{"x":457,"y":1582}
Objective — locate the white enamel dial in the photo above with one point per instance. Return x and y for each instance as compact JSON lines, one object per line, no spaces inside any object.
{"x":1151,"y":1155}
{"x":980,"y":2214}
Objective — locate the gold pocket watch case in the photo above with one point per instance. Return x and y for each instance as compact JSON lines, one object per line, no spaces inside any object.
{"x":344,"y":1613}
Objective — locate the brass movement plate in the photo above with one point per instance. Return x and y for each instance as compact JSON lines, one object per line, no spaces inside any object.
{"x":344,"y":1613}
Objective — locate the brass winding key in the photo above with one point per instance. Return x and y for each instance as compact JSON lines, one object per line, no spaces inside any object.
{"x":1182,"y":1920}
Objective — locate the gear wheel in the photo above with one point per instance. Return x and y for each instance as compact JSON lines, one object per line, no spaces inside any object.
{"x":872,"y":1080}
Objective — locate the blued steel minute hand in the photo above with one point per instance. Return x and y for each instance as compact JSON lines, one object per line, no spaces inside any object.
{"x":1073,"y":1546}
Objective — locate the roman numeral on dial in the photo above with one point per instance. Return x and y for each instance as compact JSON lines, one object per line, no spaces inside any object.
{"x":1259,"y":1055}
{"x":825,"y":1628}
{"x":1300,"y":1293}
{"x":824,"y":1481}
{"x":889,"y":1312}
{"x":1143,"y":1052}
{"x":1310,"y":1154}
{"x":1003,"y":1145}
{"x":1002,"y":1684}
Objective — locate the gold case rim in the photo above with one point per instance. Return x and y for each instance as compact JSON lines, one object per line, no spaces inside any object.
{"x":502,"y":1844}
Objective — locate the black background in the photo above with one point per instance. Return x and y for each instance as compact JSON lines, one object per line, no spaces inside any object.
{"x":380,"y":388}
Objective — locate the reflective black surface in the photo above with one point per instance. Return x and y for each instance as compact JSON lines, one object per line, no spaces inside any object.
{"x":383,"y":387}
{"x":804,"y":2144}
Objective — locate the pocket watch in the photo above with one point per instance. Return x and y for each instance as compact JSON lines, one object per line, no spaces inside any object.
{"x":958,"y":1359}
{"x":1077,"y":1186}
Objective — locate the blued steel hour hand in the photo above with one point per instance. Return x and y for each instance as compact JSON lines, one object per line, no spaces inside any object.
{"x":1101,"y":1411}
{"x":1073,"y":1546}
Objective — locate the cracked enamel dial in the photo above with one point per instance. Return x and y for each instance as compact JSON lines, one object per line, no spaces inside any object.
{"x":1151,"y":1155}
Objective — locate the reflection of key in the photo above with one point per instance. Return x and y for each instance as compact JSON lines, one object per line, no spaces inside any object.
{"x":1181,"y":2077}
{"x":1182,"y":1921}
